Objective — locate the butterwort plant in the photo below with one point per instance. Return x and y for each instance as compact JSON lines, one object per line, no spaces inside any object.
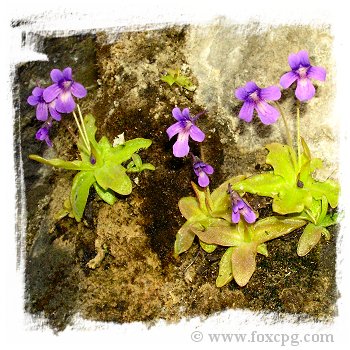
{"x":102,"y":165}
{"x":225,"y":218}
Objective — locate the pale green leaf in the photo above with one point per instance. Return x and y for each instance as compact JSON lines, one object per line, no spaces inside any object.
{"x":262,"y":249}
{"x":220,"y":233}
{"x":272,"y":227}
{"x":80,"y":192}
{"x":184,"y":239}
{"x":283,"y":160}
{"x":106,"y":195}
{"x":113,"y":176}
{"x":266,"y":184}
{"x":124,"y":152}
{"x":225,"y":269}
{"x":209,"y":248}
{"x":309,"y":238}
{"x":59,"y":163}
{"x":243,"y":262}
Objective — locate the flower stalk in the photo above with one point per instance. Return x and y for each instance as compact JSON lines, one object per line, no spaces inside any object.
{"x":82,"y":130}
{"x":298,"y":132}
{"x":289,"y":138}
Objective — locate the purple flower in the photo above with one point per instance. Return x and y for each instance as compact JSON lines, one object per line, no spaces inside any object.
{"x":43,"y":108}
{"x":43,"y":133}
{"x":202,"y":170}
{"x":184,"y":127}
{"x":240,"y":207}
{"x":63,"y":88}
{"x":302,"y":72}
{"x":255,"y":98}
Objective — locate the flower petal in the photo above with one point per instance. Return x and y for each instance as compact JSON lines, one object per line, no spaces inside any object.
{"x":78,"y":90}
{"x":177,"y":114}
{"x":54,"y":114}
{"x":235,"y":217}
{"x":181,"y":147}
{"x":241,"y":94}
{"x":56,"y":75}
{"x":33,"y":100}
{"x":248,"y":214}
{"x":305,"y":90}
{"x":37,"y":91}
{"x":267,"y":114}
{"x":208,"y":169}
{"x":246,"y":112}
{"x":174,"y":129}
{"x":250,"y":87}
{"x":318,"y":73}
{"x":51,"y":92}
{"x":67,"y":73}
{"x":186,"y":113}
{"x":271,"y":93}
{"x":196,"y":133}
{"x":42,"y":133}
{"x":42,"y":111}
{"x":288,"y":79}
{"x":294,"y":61}
{"x":203,"y":179}
{"x":304,"y":58}
{"x":65,"y":103}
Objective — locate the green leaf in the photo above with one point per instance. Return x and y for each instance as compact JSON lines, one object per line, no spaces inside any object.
{"x":329,"y":220}
{"x":225,"y":269}
{"x":266,"y":184}
{"x":59,"y":163}
{"x":184,"y":239}
{"x":323,"y":209}
{"x":173,"y":76}
{"x":189,"y":207}
{"x":309,"y":238}
{"x":168,"y":79}
{"x":122,"y":153}
{"x":220,"y":232}
{"x":209,"y":248}
{"x":329,"y":188}
{"x":137,"y":160}
{"x":80,"y":192}
{"x":283,"y":160}
{"x":113,"y":176}
{"x":89,"y":122}
{"x":148,"y":166}
{"x":201,"y":197}
{"x":272,"y":227}
{"x":106,"y":195}
{"x":243,"y":262}
{"x":291,"y":200}
{"x":262,"y":249}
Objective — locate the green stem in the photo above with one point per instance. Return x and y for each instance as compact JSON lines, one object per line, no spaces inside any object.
{"x":289,"y":138}
{"x":298,"y":132}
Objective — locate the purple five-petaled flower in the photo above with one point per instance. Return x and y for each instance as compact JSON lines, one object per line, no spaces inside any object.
{"x":202,"y":170}
{"x":240,"y":207}
{"x":184,"y":127}
{"x":42,"y":107}
{"x":63,"y":88}
{"x":302,"y":71}
{"x":43,"y":133}
{"x":255,"y":97}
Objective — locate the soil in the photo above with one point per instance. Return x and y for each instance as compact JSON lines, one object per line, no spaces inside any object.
{"x":139,"y":279}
